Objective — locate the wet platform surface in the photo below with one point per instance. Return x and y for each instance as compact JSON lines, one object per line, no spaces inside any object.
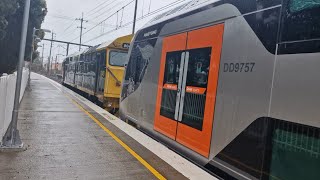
{"x":63,"y":142}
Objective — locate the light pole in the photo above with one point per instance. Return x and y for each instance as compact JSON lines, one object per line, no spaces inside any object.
{"x":34,"y":37}
{"x":12,"y":140}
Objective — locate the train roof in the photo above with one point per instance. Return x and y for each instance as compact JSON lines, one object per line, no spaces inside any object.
{"x":177,"y":11}
{"x":91,"y":49}
{"x":121,"y":42}
{"x":74,"y":54}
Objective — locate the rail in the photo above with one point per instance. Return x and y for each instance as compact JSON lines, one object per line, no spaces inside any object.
{"x":7,"y":89}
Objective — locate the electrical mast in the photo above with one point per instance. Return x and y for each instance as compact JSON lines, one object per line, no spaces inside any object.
{"x":81,"y":28}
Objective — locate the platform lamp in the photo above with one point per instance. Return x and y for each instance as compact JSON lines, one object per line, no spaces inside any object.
{"x":35,"y":38}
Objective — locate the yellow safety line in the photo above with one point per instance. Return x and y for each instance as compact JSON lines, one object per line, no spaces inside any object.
{"x":125,"y":146}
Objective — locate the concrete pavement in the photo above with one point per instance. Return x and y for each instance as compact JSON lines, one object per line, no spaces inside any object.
{"x":63,"y":142}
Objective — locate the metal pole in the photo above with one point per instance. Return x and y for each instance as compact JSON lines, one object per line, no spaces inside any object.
{"x":68,"y":49}
{"x":55,"y":65}
{"x":81,"y":28}
{"x":42,"y":57}
{"x":51,"y":64}
{"x":135,"y":17}
{"x":81,"y":32}
{"x":12,"y":137}
{"x":32,"y":50}
{"x":48,"y":69}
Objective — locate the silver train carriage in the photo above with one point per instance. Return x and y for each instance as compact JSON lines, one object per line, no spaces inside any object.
{"x":233,"y":85}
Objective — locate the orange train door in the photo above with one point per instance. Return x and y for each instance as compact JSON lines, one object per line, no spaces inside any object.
{"x":170,"y":74}
{"x":187,"y":87}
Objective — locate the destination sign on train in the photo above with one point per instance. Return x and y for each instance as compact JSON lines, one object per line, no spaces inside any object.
{"x":126,"y":45}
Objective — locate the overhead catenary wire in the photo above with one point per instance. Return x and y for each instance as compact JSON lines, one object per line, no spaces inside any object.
{"x":99,"y":6}
{"x":69,"y":26}
{"x":103,"y":20}
{"x":107,"y":10}
{"x":150,"y":13}
{"x":72,"y":31}
{"x":142,"y":17}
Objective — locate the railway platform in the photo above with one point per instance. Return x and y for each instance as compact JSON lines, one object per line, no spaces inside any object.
{"x":68,"y":137}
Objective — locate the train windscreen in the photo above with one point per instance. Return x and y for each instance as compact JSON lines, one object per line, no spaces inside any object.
{"x":118,"y":58}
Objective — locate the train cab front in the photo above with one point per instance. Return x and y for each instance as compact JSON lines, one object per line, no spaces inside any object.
{"x":116,"y":59}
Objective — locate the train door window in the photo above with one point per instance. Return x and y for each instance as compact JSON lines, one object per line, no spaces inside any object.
{"x":301,"y":20}
{"x":101,"y":71}
{"x":196,"y":87}
{"x":170,"y":84}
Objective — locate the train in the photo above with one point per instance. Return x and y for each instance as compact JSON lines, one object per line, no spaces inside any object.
{"x":97,"y":72}
{"x":232,"y":85}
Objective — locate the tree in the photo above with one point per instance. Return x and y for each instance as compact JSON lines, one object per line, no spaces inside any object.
{"x":11,"y":15}
{"x":7,"y":8}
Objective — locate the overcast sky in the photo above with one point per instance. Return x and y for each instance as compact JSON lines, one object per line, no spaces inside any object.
{"x":62,"y":14}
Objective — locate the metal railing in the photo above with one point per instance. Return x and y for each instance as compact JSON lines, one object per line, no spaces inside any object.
{"x":7,"y":90}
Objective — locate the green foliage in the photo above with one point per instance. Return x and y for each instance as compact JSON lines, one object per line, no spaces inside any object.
{"x":11,"y":15}
{"x":7,"y":8}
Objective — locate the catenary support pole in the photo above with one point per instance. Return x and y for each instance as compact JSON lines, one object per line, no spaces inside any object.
{"x":55,"y":65}
{"x":68,"y":49}
{"x":81,"y":28}
{"x":135,"y":17}
{"x":12,"y":138}
{"x":48,"y":68}
{"x":42,"y":57}
{"x":51,"y":64}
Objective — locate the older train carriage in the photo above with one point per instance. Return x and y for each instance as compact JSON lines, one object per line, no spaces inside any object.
{"x":69,"y":69}
{"x":86,"y":67}
{"x":98,"y":71}
{"x":232,"y":85}
{"x":113,"y":58}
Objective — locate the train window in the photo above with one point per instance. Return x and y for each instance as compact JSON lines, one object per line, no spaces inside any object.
{"x":196,"y":86}
{"x":170,"y":84}
{"x":198,"y":68}
{"x":103,"y":58}
{"x":294,"y":146}
{"x":118,"y":58}
{"x":171,"y":75}
{"x":81,"y":57}
{"x":299,"y":5}
{"x":301,"y":20}
{"x":88,"y":57}
{"x":139,"y":60}
{"x":86,"y":67}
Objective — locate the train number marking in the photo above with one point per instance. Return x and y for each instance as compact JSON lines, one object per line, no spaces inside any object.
{"x":238,"y":67}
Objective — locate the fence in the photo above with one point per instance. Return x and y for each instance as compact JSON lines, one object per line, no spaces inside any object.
{"x":7,"y":90}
